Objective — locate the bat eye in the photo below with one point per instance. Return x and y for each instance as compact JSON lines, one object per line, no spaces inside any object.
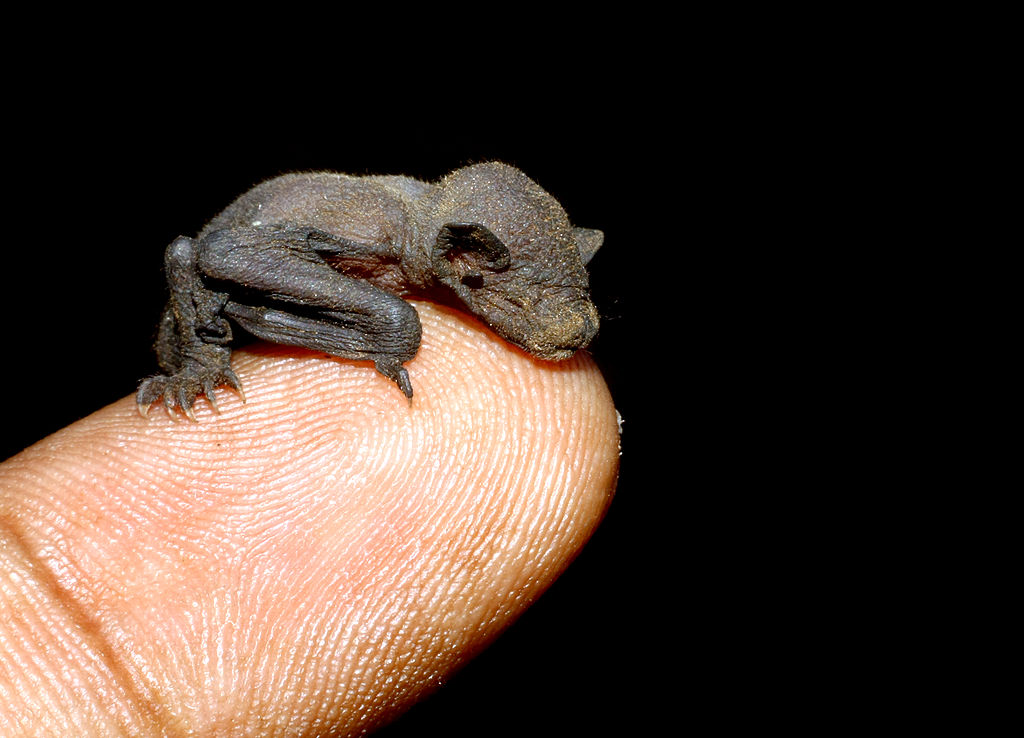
{"x":473,"y":281}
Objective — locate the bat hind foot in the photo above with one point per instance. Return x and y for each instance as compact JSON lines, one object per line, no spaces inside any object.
{"x":180,"y":390}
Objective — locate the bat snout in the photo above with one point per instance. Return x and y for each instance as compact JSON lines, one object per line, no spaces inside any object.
{"x":571,"y":329}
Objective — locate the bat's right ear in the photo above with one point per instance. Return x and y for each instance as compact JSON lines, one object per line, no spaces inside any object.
{"x":588,"y":241}
{"x":466,"y":250}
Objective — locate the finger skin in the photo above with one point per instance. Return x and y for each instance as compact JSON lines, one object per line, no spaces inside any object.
{"x":312,"y":561}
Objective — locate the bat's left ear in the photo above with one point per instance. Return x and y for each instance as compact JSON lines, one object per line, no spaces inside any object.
{"x":588,"y":241}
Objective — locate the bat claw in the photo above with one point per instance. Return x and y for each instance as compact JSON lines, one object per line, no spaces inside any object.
{"x":180,"y":390}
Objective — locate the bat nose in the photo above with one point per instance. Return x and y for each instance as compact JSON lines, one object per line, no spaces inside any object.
{"x":566,"y":328}
{"x":579,"y":328}
{"x":588,"y":325}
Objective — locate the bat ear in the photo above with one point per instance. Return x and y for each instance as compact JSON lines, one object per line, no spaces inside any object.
{"x":588,"y":241}
{"x":463,"y":249}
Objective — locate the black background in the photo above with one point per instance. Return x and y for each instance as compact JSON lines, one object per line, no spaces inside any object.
{"x":101,"y":185}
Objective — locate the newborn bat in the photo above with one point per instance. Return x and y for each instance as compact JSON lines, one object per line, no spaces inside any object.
{"x":322,"y":260}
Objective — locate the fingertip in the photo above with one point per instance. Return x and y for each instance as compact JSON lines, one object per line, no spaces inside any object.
{"x":365,"y":546}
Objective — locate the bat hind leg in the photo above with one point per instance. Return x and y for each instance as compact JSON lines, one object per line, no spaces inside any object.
{"x":192,"y":344}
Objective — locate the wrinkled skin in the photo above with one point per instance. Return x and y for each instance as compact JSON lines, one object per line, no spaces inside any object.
{"x":321,"y":260}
